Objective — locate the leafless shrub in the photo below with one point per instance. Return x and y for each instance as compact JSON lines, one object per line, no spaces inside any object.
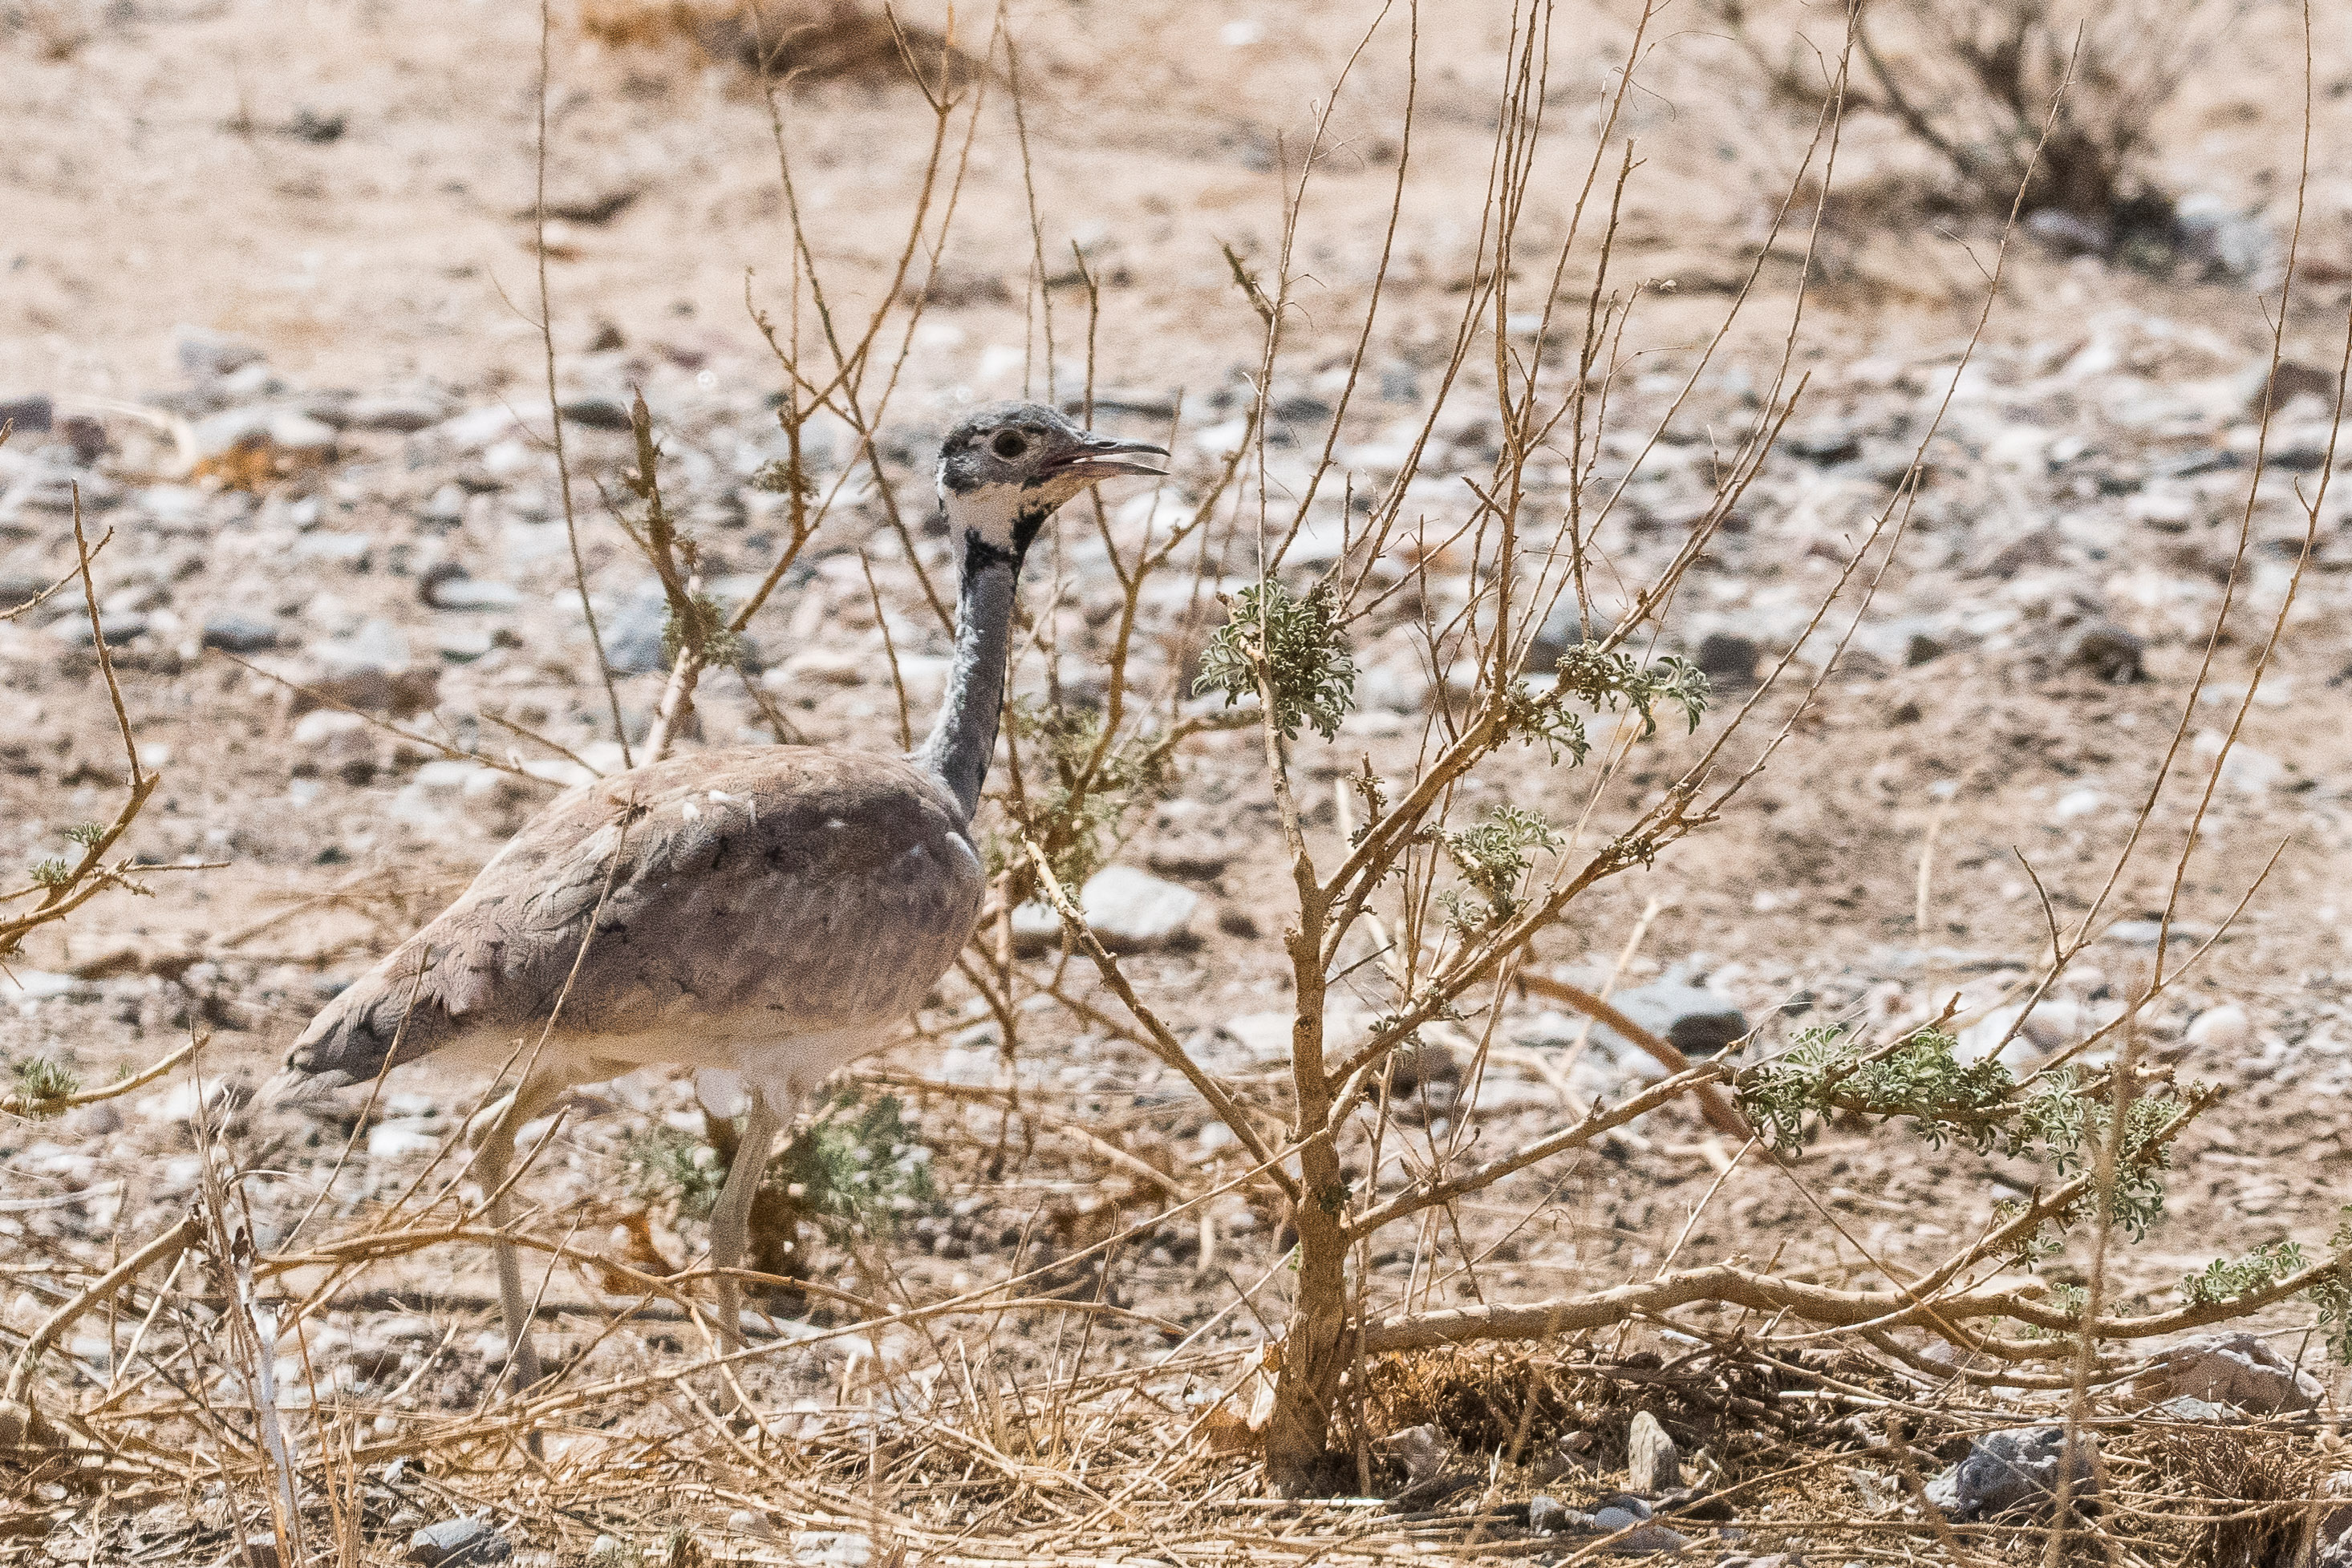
{"x":813,"y":40}
{"x":2247,"y":1498}
{"x":2050,"y":98}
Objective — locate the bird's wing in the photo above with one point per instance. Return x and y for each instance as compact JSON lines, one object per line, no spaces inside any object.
{"x":745,"y":895}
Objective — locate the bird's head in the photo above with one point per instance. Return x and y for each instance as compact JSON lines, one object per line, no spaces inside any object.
{"x":1004,"y":468}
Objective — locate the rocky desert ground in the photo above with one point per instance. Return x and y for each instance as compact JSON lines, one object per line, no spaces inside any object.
{"x":270,"y":307}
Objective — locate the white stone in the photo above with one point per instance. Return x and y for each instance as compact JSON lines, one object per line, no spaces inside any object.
{"x":322,"y":725}
{"x":2076,"y":803}
{"x":395,"y":1139}
{"x":2225,"y":1031}
{"x":1133,"y":910}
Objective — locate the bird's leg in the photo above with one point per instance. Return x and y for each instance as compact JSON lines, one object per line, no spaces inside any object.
{"x":730,"y":1217}
{"x":492,"y":1133}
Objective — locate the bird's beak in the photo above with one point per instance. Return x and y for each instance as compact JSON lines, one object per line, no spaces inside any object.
{"x":1102,"y":458}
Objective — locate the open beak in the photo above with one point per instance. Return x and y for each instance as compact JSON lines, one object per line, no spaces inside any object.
{"x":1102,"y":458}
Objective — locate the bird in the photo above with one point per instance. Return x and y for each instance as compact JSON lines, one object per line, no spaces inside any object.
{"x":766,"y":911}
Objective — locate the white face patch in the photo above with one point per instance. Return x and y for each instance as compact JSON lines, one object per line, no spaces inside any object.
{"x":990,"y":511}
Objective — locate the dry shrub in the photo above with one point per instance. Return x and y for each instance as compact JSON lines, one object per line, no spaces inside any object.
{"x":1493,"y":1399}
{"x":1973,"y":84}
{"x":813,"y":39}
{"x":2240,"y":1497}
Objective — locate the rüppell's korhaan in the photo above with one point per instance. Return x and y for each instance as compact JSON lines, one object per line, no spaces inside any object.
{"x":763,"y":914}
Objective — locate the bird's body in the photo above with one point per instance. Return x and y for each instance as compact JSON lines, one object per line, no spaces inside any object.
{"x":768,"y":912}
{"x":762,"y":910}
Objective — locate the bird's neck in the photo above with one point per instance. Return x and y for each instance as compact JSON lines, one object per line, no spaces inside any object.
{"x":964,"y":740}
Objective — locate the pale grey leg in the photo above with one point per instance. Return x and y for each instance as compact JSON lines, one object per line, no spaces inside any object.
{"x":492,"y":1134}
{"x":730,"y":1218}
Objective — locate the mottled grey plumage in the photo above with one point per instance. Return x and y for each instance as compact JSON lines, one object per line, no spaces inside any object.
{"x":747,"y":896}
{"x":766,"y":911}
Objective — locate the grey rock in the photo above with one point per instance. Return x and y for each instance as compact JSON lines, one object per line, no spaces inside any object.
{"x":445,"y":507}
{"x":1612,"y":1518}
{"x":447,"y":587}
{"x":2222,"y":241}
{"x":1728,"y":658}
{"x":207,"y":355}
{"x":27,"y":415}
{"x":1422,"y":1450}
{"x":1127,"y":910}
{"x":1549,"y":1516}
{"x":1825,"y":444}
{"x":2013,"y":1469}
{"x":1393,"y":685}
{"x":1776,"y":1560}
{"x":377,"y":647}
{"x":1563,"y":628}
{"x":1652,"y":1462}
{"x":341,"y":548}
{"x":393,"y":412}
{"x":1651,"y":1540}
{"x":2185,"y":1408}
{"x":1191,"y":854}
{"x":633,"y":633}
{"x":596,"y":410}
{"x":236,"y":633}
{"x":2107,"y":651}
{"x":457,"y":1541}
{"x":2336,"y":1553}
{"x":2336,"y":1518}
{"x":2069,"y":235}
{"x":1133,"y":911}
{"x":73,"y":631}
{"x":2240,"y":1369}
{"x":287,"y":430}
{"x":52,"y":487}
{"x":1694,"y":1019}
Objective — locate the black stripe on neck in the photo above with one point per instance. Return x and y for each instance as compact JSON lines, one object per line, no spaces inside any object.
{"x":978,"y":552}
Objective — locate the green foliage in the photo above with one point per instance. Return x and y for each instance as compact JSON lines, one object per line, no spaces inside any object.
{"x":42,"y":1084}
{"x":1827,"y":1070}
{"x":858,"y":1171}
{"x":2068,"y":1298}
{"x":1075,"y":811}
{"x":86,"y":833}
{"x":782,"y":476}
{"x":704,"y":630}
{"x":1493,"y":858}
{"x":52,"y":872}
{"x":852,"y":1169}
{"x":1603,"y":682}
{"x":1614,"y":680}
{"x":1535,"y":719}
{"x":2226,"y":1280}
{"x":664,"y":1163}
{"x":1976,"y":1104}
{"x":2333,"y":1294}
{"x":1303,"y":647}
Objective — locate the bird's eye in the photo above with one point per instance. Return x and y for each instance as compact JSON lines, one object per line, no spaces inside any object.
{"x":1009,"y":445}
